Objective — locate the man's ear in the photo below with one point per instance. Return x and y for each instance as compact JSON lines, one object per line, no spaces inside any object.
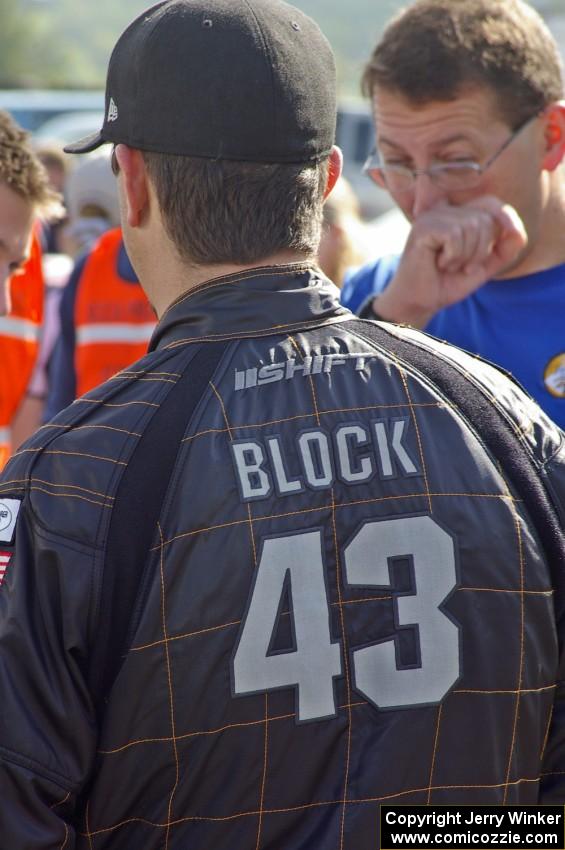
{"x":554,"y":133}
{"x":134,"y":184}
{"x":334,"y":170}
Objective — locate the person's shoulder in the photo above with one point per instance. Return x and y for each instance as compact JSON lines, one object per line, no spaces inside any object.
{"x":538,"y":434}
{"x":71,"y":468}
{"x":368,"y":280}
{"x":361,"y":273}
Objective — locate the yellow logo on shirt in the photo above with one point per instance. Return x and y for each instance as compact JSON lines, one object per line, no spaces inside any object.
{"x":554,"y":376}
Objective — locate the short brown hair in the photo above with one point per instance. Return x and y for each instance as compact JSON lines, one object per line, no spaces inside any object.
{"x":434,"y":49}
{"x":22,"y":171}
{"x":220,"y":211}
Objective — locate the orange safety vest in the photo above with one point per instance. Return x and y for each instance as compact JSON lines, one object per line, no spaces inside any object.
{"x":113,"y":318}
{"x":19,"y":341}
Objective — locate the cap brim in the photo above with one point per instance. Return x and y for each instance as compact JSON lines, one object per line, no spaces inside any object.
{"x":86,"y":144}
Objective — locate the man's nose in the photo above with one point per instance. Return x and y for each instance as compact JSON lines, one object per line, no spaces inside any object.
{"x":426,"y":194}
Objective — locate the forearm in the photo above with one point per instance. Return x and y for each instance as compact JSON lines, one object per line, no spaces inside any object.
{"x":450,"y":253}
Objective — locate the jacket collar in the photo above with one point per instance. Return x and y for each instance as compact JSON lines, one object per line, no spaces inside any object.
{"x":256,"y":302}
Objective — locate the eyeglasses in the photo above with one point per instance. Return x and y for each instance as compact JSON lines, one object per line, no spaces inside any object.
{"x":451,"y":176}
{"x":114,"y":162}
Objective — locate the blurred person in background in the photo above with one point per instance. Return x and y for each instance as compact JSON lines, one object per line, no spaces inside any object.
{"x":345,"y":242}
{"x":470,"y":131}
{"x":56,"y":267}
{"x":56,"y":164}
{"x":105,"y":318}
{"x":25,"y":197}
{"x":92,"y":202}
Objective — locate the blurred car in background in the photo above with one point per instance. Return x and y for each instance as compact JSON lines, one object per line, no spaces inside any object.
{"x":355,"y":135}
{"x":69,"y":126}
{"x":33,"y":107}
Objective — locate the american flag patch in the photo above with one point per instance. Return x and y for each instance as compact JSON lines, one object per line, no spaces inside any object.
{"x":9,"y":509}
{"x":4,"y":561}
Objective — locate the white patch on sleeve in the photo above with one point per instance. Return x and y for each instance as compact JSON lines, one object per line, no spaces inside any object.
{"x":9,"y":509}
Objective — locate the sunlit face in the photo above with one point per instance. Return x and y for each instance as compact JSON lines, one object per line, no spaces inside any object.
{"x":468,"y":128}
{"x":16,"y":222}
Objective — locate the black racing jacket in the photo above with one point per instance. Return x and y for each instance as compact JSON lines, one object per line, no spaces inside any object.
{"x":343,"y":601}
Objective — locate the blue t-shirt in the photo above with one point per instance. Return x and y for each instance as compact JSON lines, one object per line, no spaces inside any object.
{"x":518,"y":323}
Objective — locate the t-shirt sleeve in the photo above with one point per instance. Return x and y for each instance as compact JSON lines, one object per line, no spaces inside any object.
{"x":368,"y":282}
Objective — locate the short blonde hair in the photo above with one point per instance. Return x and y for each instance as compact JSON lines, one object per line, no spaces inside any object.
{"x":22,"y":171}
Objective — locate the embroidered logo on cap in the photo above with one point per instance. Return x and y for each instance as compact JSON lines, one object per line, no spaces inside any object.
{"x":554,"y":376}
{"x":8,"y":515}
{"x":112,"y":110}
{"x":4,"y":561}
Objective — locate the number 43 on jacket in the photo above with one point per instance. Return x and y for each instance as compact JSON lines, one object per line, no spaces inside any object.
{"x":316,"y":660}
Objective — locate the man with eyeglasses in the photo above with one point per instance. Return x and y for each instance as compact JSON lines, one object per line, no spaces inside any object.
{"x":470,"y":139}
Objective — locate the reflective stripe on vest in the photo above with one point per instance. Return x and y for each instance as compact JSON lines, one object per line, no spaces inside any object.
{"x":113,"y":318}
{"x":5,"y":446}
{"x":114,"y":332}
{"x":19,"y":329}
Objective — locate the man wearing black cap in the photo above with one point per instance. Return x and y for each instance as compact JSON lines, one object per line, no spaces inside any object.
{"x":269,"y":577}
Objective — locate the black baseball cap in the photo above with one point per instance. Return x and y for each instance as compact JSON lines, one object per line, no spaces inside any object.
{"x":248,"y":80}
